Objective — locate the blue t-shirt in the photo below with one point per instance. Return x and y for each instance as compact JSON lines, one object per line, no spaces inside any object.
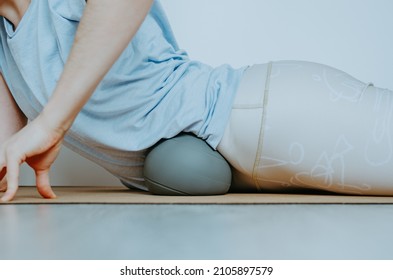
{"x":153,"y":91}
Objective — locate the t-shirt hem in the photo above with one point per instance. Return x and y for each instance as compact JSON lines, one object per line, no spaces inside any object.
{"x":216,"y":128}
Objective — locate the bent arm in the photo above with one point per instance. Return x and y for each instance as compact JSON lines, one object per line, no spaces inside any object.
{"x":11,"y":117}
{"x":105,"y":30}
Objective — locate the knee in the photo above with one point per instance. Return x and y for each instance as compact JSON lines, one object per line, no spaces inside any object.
{"x":186,"y":165}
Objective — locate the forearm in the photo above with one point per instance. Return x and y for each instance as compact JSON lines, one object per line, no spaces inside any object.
{"x":104,"y":31}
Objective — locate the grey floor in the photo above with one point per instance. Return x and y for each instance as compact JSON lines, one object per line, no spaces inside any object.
{"x":196,"y":232}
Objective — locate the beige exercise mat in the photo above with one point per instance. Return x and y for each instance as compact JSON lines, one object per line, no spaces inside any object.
{"x":122,"y":195}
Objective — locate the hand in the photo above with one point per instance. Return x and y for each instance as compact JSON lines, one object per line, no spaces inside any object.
{"x":38,"y":145}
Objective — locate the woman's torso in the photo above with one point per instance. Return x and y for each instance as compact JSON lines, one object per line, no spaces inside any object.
{"x":153,"y":91}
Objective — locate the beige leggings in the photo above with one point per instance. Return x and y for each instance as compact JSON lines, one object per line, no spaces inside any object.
{"x":305,"y":125}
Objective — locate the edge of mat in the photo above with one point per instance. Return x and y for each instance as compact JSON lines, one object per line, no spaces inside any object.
{"x":120,"y":195}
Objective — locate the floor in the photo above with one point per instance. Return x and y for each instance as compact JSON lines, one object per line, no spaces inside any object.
{"x":196,"y":232}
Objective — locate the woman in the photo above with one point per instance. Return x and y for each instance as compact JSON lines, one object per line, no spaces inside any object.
{"x":113,"y":82}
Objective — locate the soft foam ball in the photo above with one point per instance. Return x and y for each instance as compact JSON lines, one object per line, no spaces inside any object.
{"x":186,"y":165}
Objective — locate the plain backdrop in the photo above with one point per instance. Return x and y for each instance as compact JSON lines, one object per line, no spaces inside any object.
{"x":351,"y":35}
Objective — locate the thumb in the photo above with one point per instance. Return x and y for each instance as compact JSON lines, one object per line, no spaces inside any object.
{"x":43,"y":184}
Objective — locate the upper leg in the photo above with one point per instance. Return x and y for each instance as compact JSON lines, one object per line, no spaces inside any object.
{"x":325,"y":129}
{"x":319,"y":128}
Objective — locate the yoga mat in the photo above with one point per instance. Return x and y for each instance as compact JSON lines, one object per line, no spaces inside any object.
{"x":122,"y":195}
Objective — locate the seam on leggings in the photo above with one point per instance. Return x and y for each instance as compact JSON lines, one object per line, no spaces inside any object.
{"x":261,"y":131}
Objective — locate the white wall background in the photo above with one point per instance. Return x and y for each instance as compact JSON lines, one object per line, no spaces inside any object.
{"x":352,"y":35}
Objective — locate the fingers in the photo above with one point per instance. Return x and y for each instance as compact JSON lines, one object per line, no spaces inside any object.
{"x":8,"y":169}
{"x":43,"y":184}
{"x":12,"y":179}
{"x":42,"y":181}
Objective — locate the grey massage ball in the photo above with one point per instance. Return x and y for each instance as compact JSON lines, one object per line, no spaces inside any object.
{"x":186,"y":165}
